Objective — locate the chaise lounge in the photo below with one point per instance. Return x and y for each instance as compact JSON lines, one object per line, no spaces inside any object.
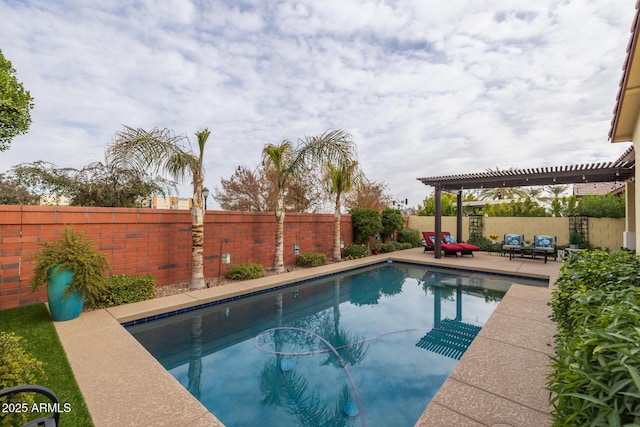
{"x":467,"y":248}
{"x":447,"y":248}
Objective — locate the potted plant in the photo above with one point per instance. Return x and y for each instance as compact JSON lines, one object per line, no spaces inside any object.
{"x":574,"y":239}
{"x":73,"y":271}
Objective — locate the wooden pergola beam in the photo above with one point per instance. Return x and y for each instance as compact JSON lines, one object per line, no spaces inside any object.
{"x":619,"y":170}
{"x":557,"y":175}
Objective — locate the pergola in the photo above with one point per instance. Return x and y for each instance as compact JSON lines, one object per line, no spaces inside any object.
{"x":621,"y":169}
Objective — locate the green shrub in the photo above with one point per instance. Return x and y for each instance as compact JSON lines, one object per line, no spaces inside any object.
{"x":596,"y":366}
{"x":602,"y":206}
{"x":410,"y":235}
{"x":17,"y":368}
{"x":311,"y":259}
{"x":355,"y":251}
{"x":366,"y":224}
{"x":125,"y":289}
{"x":388,"y":247}
{"x":382,"y":248}
{"x":72,"y":251}
{"x":376,"y":248}
{"x":402,"y":246}
{"x":392,"y":221}
{"x":480,"y":241}
{"x":590,"y":270}
{"x":245,"y":271}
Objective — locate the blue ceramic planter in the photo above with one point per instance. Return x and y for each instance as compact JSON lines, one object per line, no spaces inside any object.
{"x":63,"y":306}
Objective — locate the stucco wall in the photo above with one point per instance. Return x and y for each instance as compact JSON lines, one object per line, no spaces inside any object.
{"x":603,"y":232}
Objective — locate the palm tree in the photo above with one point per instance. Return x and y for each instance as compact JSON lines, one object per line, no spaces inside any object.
{"x":161,"y":150}
{"x":332,"y":147}
{"x":556,"y":191}
{"x":536,"y":194}
{"x":340,"y":180}
{"x":499,"y":193}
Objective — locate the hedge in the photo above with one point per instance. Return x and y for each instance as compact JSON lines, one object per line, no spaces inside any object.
{"x":596,"y":366}
{"x":245,"y":271}
{"x":311,"y":259}
{"x":125,"y":289}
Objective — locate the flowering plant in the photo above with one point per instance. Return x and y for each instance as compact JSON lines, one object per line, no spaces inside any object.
{"x":493,"y":236}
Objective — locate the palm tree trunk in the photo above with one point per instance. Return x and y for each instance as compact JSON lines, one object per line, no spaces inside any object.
{"x":278,"y":262}
{"x":337,"y":255}
{"x":196,"y":280}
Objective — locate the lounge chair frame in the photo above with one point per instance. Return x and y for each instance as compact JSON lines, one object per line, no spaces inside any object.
{"x":48,"y":421}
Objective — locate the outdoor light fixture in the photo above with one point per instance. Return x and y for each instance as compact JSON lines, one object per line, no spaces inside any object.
{"x":224,"y":258}
{"x":205,"y":194}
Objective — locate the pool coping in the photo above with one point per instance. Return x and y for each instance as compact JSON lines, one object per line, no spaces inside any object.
{"x":500,"y":379}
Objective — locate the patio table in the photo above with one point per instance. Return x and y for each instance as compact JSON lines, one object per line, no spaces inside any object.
{"x":528,"y":251}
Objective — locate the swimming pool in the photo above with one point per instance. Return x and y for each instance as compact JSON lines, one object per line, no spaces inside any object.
{"x":397,"y":331}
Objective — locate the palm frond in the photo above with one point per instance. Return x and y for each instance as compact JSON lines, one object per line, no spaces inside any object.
{"x":342,"y":178}
{"x":278,"y":158}
{"x":182,"y":165}
{"x":147,"y":150}
{"x":202,"y":137}
{"x":335,"y":147}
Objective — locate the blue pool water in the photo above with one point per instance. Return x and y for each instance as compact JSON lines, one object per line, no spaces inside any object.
{"x":368,"y":347}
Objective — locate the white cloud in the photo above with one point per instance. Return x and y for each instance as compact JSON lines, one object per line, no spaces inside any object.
{"x":426,"y":88}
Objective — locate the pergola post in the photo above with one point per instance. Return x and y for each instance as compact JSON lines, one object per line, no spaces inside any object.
{"x":437,"y":249}
{"x":459,"y":216}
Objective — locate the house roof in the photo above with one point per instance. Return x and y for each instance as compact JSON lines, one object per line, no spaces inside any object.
{"x":598,"y":188}
{"x":625,"y":112}
{"x":619,"y":170}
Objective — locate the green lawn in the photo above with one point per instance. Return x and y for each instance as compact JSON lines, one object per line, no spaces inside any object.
{"x":35,"y":326}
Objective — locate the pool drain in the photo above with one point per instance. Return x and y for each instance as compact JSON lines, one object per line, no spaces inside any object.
{"x":350,"y":409}
{"x":287,"y":364}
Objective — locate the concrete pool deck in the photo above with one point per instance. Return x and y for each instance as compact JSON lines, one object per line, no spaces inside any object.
{"x":499,"y":381}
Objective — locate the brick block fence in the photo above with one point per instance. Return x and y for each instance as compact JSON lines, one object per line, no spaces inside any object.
{"x":154,"y":241}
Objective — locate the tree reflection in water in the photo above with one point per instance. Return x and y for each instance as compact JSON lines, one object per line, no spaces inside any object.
{"x":281,"y":385}
{"x":367,"y":288}
{"x":195,"y":356}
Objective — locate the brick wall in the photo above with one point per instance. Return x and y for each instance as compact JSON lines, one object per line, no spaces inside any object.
{"x":153,"y":241}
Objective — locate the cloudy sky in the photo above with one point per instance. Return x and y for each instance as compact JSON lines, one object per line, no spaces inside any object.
{"x":426,"y":87}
